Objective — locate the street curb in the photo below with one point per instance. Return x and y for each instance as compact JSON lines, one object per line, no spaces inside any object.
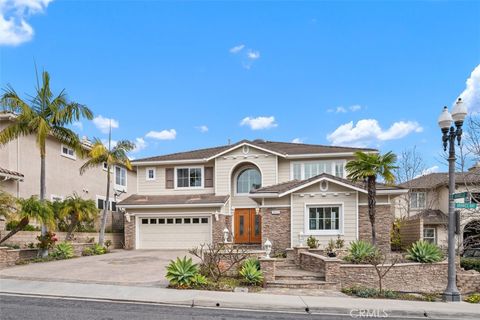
{"x":207,"y":304}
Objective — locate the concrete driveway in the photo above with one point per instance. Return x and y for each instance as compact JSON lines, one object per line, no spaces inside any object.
{"x":138,"y":268}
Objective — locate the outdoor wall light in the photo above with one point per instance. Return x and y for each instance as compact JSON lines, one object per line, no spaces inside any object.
{"x":268,"y":248}
{"x":225,"y":235}
{"x":300,"y":238}
{"x":257,"y":210}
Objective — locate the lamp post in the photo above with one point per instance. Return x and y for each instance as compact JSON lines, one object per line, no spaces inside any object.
{"x":450,"y":134}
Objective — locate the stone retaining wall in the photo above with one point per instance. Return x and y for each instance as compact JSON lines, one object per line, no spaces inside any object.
{"x":468,"y":281}
{"x":23,"y":238}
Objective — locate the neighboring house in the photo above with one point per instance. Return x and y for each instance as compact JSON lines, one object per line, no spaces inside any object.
{"x":257,"y":190}
{"x":425,"y":206}
{"x":20,"y":172}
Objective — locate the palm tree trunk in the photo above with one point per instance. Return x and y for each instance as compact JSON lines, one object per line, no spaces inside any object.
{"x":101,"y":237}
{"x":372,"y":193}
{"x":71,"y":227}
{"x":19,"y":227}
{"x":43,"y":252}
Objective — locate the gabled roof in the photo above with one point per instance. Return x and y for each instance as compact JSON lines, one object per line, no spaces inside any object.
{"x":188,"y":200}
{"x":282,"y":189}
{"x":9,"y":174}
{"x":283,"y":149}
{"x":431,"y":216}
{"x":438,"y":179}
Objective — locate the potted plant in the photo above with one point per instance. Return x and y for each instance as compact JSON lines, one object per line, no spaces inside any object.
{"x":331,"y":249}
{"x":312,"y":242}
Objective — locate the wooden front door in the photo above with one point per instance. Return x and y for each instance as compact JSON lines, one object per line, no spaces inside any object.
{"x":248,"y":226}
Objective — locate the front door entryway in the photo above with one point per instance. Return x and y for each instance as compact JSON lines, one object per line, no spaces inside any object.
{"x":248,"y":226}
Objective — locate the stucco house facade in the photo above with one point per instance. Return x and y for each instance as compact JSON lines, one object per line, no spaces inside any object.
{"x":425,"y":206}
{"x":20,"y":172}
{"x":257,"y":190}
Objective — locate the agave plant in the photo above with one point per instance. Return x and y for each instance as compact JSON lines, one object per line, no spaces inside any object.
{"x":424,"y":252}
{"x":63,"y":250}
{"x":360,"y":251}
{"x":181,"y":272}
{"x":199,"y":280}
{"x":251,"y":273}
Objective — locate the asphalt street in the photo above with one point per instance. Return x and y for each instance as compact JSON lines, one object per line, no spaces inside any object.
{"x":39,"y":308}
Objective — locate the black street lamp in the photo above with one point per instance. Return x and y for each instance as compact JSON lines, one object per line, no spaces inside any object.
{"x":450,"y":134}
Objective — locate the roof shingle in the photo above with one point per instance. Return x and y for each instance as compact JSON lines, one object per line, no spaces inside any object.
{"x":190,"y":199}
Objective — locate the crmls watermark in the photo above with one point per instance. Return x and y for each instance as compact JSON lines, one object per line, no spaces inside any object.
{"x":369,"y":313}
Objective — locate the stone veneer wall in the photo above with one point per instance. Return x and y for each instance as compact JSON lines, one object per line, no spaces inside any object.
{"x":276,"y":228}
{"x":409,"y":277}
{"x":218,"y":227}
{"x":23,"y":238}
{"x":468,"y":281}
{"x":384,"y":218}
{"x":411,"y":231}
{"x":129,"y":233}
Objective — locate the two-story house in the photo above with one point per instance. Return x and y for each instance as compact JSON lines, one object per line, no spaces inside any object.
{"x":256,"y":190}
{"x":20,"y":172}
{"x":425,"y":206}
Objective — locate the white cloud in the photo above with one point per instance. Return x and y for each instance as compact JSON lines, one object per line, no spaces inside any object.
{"x":237,"y":49}
{"x":430,"y":170}
{"x":140,"y":144}
{"x":14,"y":28}
{"x":368,"y":131}
{"x":341,"y":109}
{"x":78,"y":125}
{"x":297,"y":140}
{"x":202,"y":129}
{"x":103,"y":124}
{"x":259,"y":123}
{"x":113,"y":143}
{"x":471,"y":94}
{"x":162,"y":135}
{"x":253,"y":54}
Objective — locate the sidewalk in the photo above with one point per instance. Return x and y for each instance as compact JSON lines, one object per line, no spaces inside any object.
{"x":247,"y":301}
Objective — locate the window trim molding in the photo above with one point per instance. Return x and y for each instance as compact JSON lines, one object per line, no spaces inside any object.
{"x":175,"y":177}
{"x":235,"y":179}
{"x":147,"y":177}
{"x":434,"y":234}
{"x":416,"y":195}
{"x":306,"y":217}
{"x":73,"y":157}
{"x":104,"y":198}
{"x":302,"y":167}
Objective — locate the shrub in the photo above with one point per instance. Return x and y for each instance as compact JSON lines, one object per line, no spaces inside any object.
{"x":108,"y":243}
{"x":13,"y":224}
{"x":251,"y":272}
{"x":331,"y":248}
{"x":339,"y":243}
{"x":199,"y":280}
{"x":312,"y":242}
{"x":63,"y":250}
{"x":181,"y":272}
{"x":87,"y":252}
{"x":98,"y":249}
{"x":360,"y":252}
{"x":424,"y":252}
{"x":470,"y":263}
{"x":47,"y":241}
{"x":473,"y":298}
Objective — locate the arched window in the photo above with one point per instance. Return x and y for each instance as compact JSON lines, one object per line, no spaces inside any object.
{"x":248,"y":180}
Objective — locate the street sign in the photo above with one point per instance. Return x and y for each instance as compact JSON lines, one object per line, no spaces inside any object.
{"x":466,"y":205}
{"x":459,"y":195}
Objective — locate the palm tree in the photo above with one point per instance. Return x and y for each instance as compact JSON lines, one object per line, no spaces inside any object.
{"x":366,"y":168}
{"x":77,"y":210}
{"x":111,"y":156}
{"x":30,"y":209}
{"x":43,"y":115}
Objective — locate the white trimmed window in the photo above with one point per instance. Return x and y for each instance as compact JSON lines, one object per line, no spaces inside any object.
{"x":150,"y":174}
{"x":248,"y":180}
{"x":306,"y":170}
{"x":429,"y":235}
{"x":418,"y":200}
{"x":189,"y":177}
{"x":101,"y":202}
{"x":68,"y":152}
{"x":120,"y":178}
{"x":324,"y":219}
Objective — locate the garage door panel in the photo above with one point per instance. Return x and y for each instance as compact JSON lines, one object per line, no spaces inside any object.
{"x":160,"y":235}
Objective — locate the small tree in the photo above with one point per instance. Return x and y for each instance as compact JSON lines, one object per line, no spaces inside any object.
{"x":77,"y":210}
{"x":30,"y":209}
{"x":367,"y":167}
{"x":379,"y":261}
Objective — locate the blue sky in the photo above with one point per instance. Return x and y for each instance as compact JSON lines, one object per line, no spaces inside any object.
{"x":352,"y":73}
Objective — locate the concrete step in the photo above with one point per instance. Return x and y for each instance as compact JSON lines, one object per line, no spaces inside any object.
{"x":297,"y":274}
{"x":303,"y":284}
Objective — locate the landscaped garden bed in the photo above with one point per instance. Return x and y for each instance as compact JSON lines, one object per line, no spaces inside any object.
{"x":363,"y":292}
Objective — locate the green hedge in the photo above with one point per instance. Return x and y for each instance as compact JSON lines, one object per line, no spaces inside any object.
{"x":13,"y":224}
{"x":470,"y":263}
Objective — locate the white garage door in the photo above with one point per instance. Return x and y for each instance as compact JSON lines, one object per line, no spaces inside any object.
{"x":173,"y":232}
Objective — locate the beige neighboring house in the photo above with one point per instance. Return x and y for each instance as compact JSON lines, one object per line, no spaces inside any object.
{"x":425,"y":206}
{"x":255,"y":190}
{"x":20,"y":172}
